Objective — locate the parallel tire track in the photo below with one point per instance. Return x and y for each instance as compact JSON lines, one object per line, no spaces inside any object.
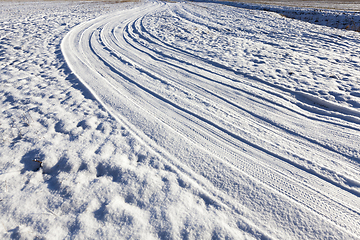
{"x":174,"y":107}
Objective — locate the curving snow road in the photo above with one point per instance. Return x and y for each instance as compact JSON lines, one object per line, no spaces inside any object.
{"x":212,"y":90}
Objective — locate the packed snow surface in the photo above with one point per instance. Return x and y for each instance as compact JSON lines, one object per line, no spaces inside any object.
{"x":159,"y":120}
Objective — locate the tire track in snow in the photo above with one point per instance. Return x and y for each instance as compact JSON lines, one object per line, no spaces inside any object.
{"x":223,"y":130}
{"x":284,"y":105}
{"x":196,"y":139}
{"x":259,"y":117}
{"x":288,"y":108}
{"x":306,"y":101}
{"x":268,"y":100}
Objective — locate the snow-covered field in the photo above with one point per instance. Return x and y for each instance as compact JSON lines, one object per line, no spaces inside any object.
{"x":347,"y":5}
{"x":177,"y":121}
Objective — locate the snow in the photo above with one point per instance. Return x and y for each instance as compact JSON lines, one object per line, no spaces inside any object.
{"x":345,"y":16}
{"x":183,"y":120}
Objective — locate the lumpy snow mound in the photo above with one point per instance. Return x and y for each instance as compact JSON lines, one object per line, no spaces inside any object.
{"x":176,"y":121}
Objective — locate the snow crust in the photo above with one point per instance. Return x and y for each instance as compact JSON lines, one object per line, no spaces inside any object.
{"x":158,"y":120}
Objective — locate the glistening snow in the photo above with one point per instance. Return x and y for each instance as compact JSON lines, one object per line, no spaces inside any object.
{"x":177,"y":121}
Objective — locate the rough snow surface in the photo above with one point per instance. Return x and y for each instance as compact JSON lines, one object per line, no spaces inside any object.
{"x":347,"y":5}
{"x":319,"y":12}
{"x":176,"y":121}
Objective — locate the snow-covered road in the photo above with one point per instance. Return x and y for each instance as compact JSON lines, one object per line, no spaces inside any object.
{"x":159,"y":120}
{"x":229,"y":97}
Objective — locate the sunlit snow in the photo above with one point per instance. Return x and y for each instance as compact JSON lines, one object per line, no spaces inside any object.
{"x":178,"y":120}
